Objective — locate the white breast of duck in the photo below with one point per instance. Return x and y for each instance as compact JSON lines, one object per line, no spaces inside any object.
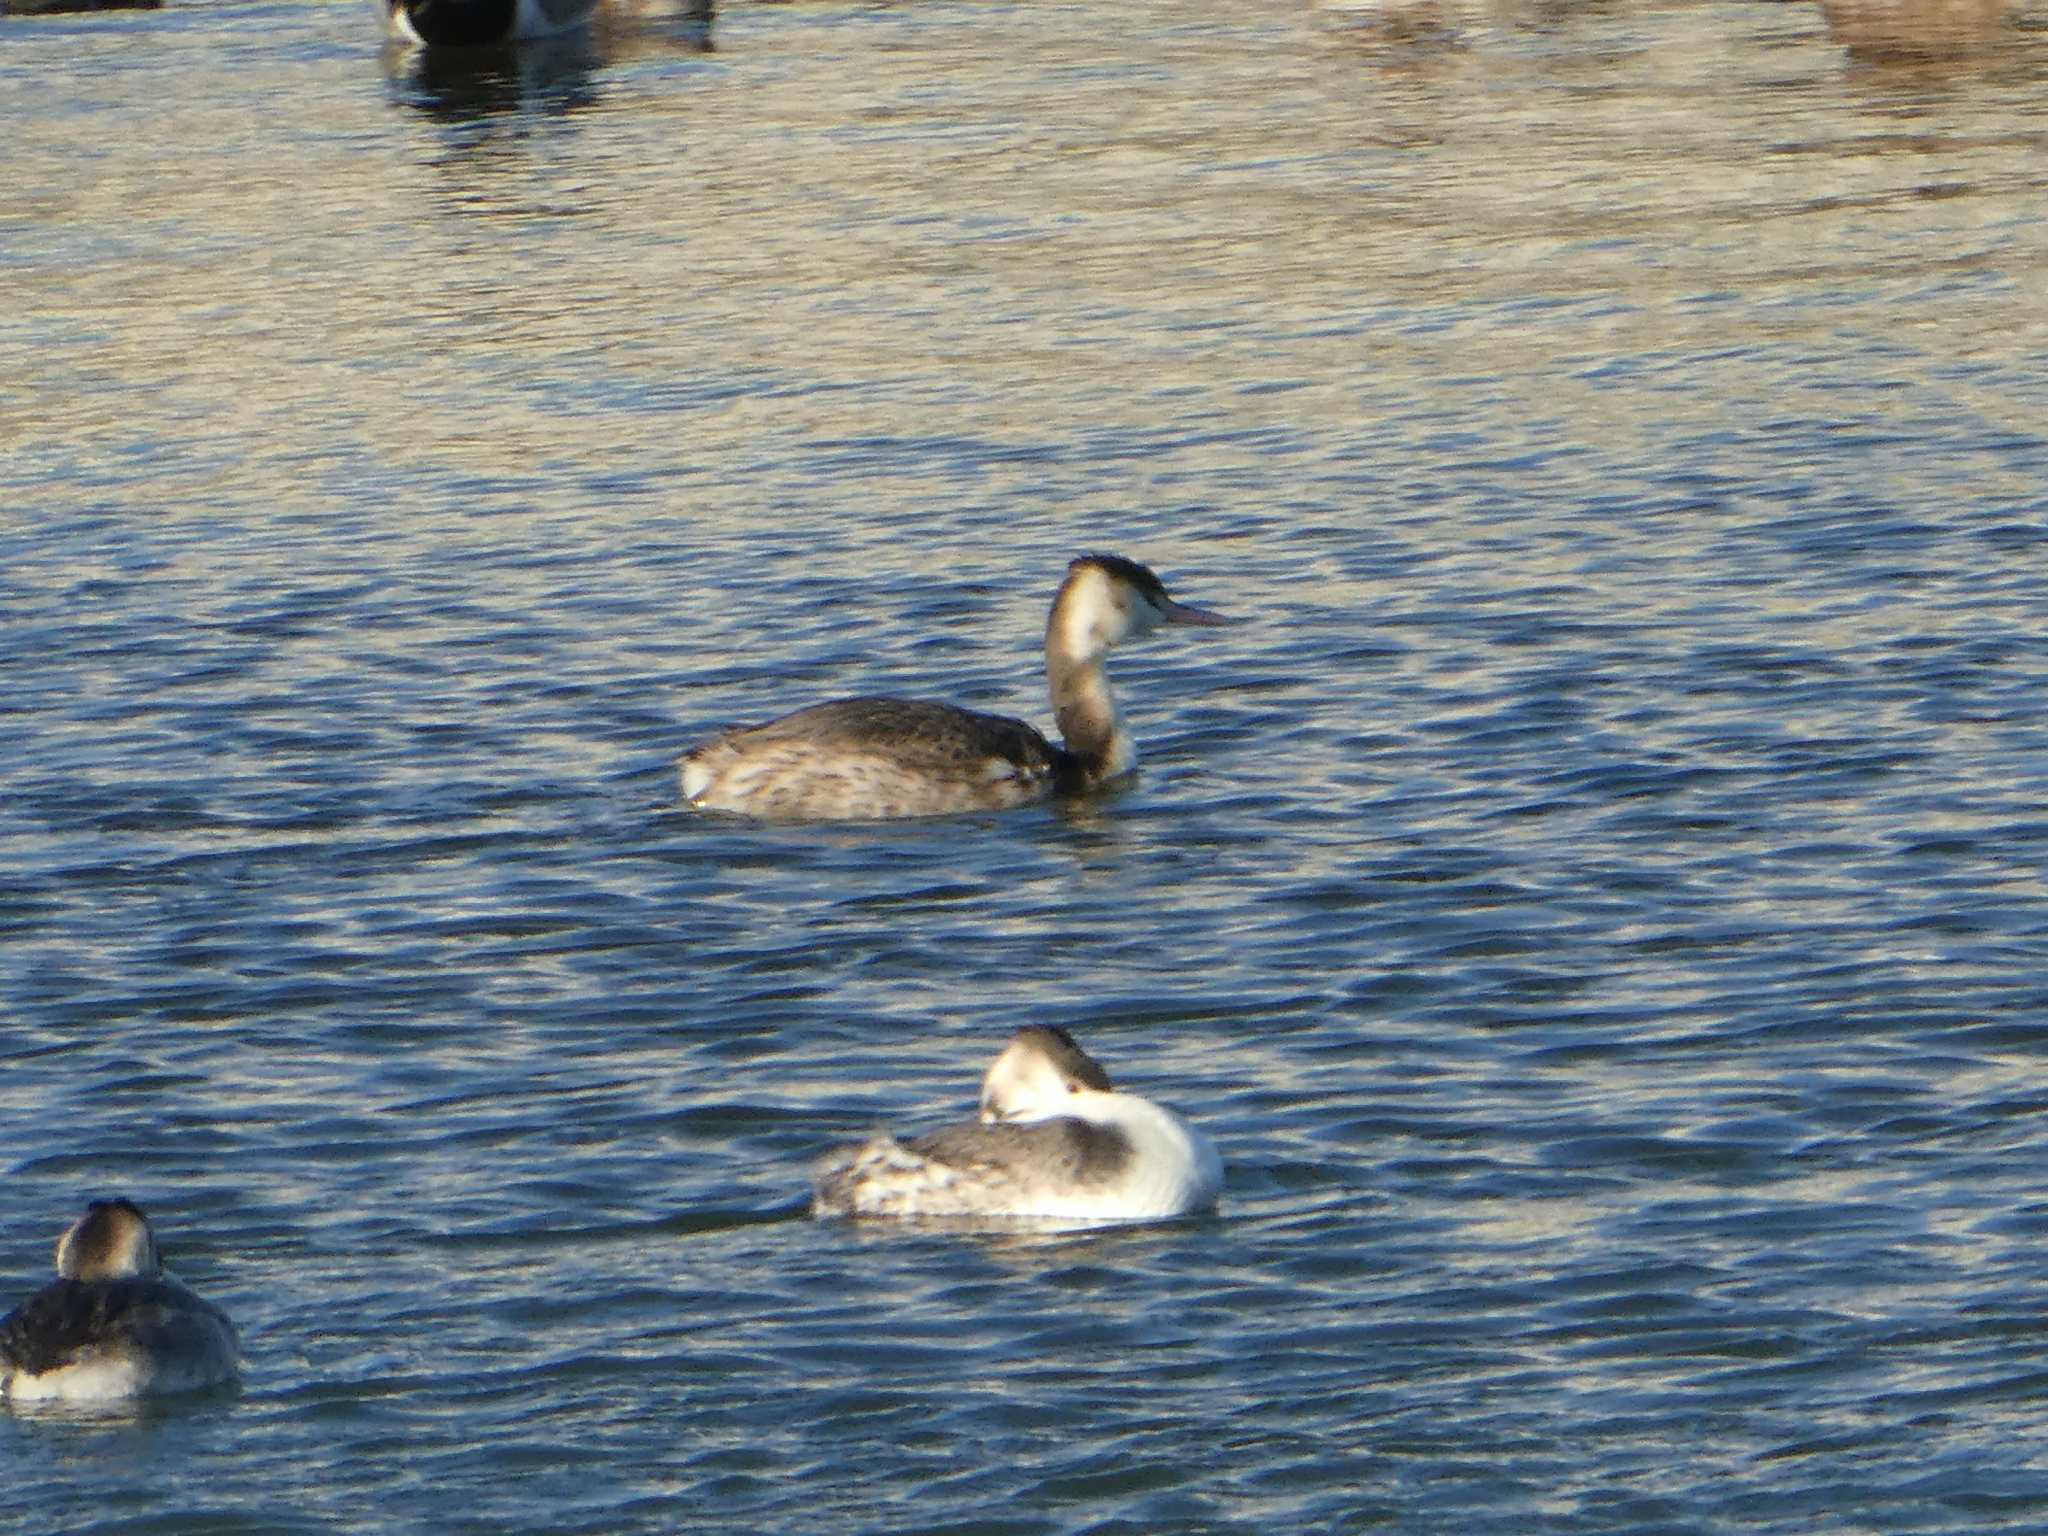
{"x":1055,"y":1142}
{"x":114,"y":1324}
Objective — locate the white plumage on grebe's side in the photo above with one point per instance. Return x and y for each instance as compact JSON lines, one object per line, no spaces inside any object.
{"x":862,"y":758}
{"x":113,"y":1324}
{"x":1055,"y":1141}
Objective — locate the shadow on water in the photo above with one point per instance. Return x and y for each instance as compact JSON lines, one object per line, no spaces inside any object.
{"x":552,"y":76}
{"x":1022,"y":1245}
{"x":588,"y":1235}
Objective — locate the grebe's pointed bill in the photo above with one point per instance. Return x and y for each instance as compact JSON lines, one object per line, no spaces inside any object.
{"x":1187,"y":613}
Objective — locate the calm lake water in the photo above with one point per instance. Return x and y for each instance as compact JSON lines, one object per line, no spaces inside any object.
{"x":1597,"y":905}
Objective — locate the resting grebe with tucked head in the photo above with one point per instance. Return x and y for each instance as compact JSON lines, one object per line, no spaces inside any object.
{"x":1055,"y":1140}
{"x":113,"y":1324}
{"x":879,"y":757}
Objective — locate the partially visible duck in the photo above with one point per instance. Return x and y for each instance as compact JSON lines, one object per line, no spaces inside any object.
{"x":484,"y":23}
{"x":113,"y":1324}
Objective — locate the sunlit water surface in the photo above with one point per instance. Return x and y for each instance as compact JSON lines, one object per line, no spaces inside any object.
{"x":1596,"y":904}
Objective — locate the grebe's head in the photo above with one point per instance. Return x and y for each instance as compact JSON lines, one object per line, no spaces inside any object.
{"x":111,"y":1241}
{"x":1107,"y":598}
{"x":1036,"y":1074}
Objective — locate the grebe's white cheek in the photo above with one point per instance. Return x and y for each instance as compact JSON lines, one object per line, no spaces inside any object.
{"x":1104,"y":625}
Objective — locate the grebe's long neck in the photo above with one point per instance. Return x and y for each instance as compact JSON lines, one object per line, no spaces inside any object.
{"x":1089,"y":725}
{"x":1086,"y":620}
{"x":1103,"y":600}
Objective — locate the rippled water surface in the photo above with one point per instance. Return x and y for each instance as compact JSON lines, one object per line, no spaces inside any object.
{"x":1597,"y":904}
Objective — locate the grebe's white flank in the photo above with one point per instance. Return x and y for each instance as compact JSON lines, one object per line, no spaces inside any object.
{"x":113,"y":1324}
{"x":885,"y":757}
{"x":1055,"y":1141}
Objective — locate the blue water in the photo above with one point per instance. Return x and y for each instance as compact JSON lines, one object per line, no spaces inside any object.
{"x":1596,"y":903}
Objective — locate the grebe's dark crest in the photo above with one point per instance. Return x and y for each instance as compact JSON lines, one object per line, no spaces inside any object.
{"x":1055,"y":1142}
{"x":881,"y":757}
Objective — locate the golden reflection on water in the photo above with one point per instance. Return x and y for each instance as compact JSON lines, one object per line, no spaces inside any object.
{"x":1650,"y":151}
{"x":859,"y":266}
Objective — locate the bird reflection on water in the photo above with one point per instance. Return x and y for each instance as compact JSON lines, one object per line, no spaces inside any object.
{"x":553,"y":76}
{"x":1910,"y":31}
{"x":1871,"y":32}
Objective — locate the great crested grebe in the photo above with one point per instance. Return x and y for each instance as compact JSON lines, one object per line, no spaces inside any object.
{"x":113,"y":1324}
{"x":884,"y":757}
{"x":1055,"y":1141}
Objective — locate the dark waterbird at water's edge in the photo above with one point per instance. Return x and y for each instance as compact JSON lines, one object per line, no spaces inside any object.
{"x":553,"y":75}
{"x":485,"y":23}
